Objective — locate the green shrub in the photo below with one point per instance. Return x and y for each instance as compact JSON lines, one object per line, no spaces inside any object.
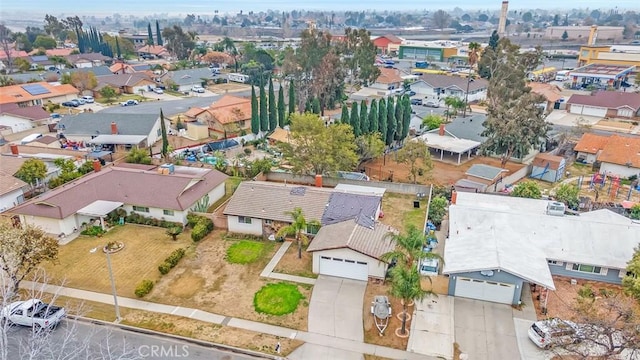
{"x":135,"y":218}
{"x":202,"y":226}
{"x":164,"y":268}
{"x":193,"y":219}
{"x":93,"y":231}
{"x":143,"y":288}
{"x":175,"y":257}
{"x":199,"y":232}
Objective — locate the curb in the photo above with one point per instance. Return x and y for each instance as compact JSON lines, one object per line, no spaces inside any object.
{"x":198,"y":342}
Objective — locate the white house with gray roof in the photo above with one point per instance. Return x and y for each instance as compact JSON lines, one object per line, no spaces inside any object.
{"x":435,"y":86}
{"x":186,"y":79}
{"x":141,"y":130}
{"x":498,"y":244}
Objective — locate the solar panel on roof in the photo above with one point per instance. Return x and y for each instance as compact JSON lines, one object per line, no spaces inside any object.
{"x":35,"y":89}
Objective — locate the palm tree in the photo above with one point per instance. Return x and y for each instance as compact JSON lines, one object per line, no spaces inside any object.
{"x":298,"y":228}
{"x":405,"y":284}
{"x":230,"y":48}
{"x":474,"y":50}
{"x":408,"y":247}
{"x":449,"y":101}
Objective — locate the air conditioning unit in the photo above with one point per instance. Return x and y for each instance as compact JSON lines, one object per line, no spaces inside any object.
{"x":555,"y":208}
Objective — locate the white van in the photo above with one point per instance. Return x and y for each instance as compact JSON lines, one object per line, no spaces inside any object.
{"x":429,"y":267}
{"x":562,"y":75}
{"x":88,"y":99}
{"x":551,"y":332}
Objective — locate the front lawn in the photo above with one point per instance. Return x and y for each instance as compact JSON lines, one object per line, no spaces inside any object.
{"x":245,"y":251}
{"x":83,"y":265}
{"x":290,"y":264}
{"x":277,"y":299}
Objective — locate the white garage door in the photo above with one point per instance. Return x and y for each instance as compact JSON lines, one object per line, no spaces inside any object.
{"x":625,"y":112}
{"x":346,"y":268}
{"x":576,"y":109}
{"x":594,"y":111}
{"x":485,"y":290}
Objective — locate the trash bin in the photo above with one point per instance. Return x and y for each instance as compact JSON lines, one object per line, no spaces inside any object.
{"x":416,"y":204}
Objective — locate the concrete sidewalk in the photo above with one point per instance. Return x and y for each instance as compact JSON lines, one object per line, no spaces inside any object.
{"x":268,"y":270}
{"x":308,"y":337}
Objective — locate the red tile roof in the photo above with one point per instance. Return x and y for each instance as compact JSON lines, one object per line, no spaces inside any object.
{"x":622,"y":150}
{"x":389,"y":76}
{"x":17,"y":94}
{"x":591,"y":143}
{"x":231,"y":109}
{"x":608,"y":99}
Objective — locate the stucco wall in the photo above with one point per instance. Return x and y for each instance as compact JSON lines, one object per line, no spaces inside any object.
{"x":620,"y":170}
{"x":11,"y":199}
{"x":589,"y":158}
{"x":606,"y":275}
{"x":255,"y":228}
{"x":498,"y":276}
{"x":376,"y":268}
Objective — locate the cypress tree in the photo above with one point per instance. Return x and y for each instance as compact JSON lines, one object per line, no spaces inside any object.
{"x":355,"y":119}
{"x":406,"y":102}
{"x":255,"y":120}
{"x":150,"y":39}
{"x":165,"y":142}
{"x":373,"y":117}
{"x":307,"y":106}
{"x":264,"y":115}
{"x":158,"y":34}
{"x":118,"y":52}
{"x":364,"y":118}
{"x":282,"y":119}
{"x":344,"y":118}
{"x":382,"y":120}
{"x":292,"y":100}
{"x":391,"y":122}
{"x":399,"y":115}
{"x":315,"y":106}
{"x":273,"y":113}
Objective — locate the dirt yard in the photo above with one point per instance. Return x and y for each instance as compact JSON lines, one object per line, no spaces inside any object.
{"x":442,"y":173}
{"x":290,"y":264}
{"x":399,"y":211}
{"x":228,"y":87}
{"x":206,"y":281}
{"x":561,"y":301}
{"x":371,"y":334}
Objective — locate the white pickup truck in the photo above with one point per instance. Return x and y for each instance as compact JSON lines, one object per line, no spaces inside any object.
{"x":33,"y":313}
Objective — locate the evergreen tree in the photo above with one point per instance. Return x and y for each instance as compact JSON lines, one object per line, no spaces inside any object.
{"x":292,"y":100}
{"x":364,"y":118}
{"x":159,"y":34}
{"x":382,"y":120}
{"x":165,"y":141}
{"x":344,"y":118}
{"x":398,"y":114}
{"x":150,"y":39}
{"x":493,"y":40}
{"x":273,"y":113}
{"x":373,"y":117}
{"x":118,"y":52}
{"x":255,"y":119}
{"x":315,"y":106}
{"x":264,"y":115}
{"x":282,"y":119}
{"x":354,"y":119}
{"x":391,"y":122}
{"x":307,"y":106}
{"x":406,"y":102}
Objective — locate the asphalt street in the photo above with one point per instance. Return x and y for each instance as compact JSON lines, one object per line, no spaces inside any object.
{"x":82,"y":340}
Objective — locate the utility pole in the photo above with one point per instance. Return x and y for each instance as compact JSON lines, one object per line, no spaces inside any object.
{"x":113,"y":287}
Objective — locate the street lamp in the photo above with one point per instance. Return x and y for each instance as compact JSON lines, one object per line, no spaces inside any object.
{"x":113,"y":287}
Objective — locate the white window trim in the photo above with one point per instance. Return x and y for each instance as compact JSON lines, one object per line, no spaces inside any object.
{"x":603,"y":270}
{"x":555,"y":262}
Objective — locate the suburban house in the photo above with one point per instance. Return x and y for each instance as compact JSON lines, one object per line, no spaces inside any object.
{"x":443,"y":143}
{"x":612,"y":104}
{"x":22,"y":118}
{"x":548,"y":167}
{"x":386,"y":44}
{"x":436,"y":86}
{"x":389,"y":79}
{"x":230,"y":115}
{"x":88,"y":60}
{"x":134,"y":83}
{"x":184,"y":80}
{"x":480,"y":178}
{"x":166,"y":192}
{"x":121,"y":68}
{"x":153,"y":52}
{"x":46,"y":141}
{"x":115,"y":130}
{"x":616,"y":154}
{"x":36,"y":94}
{"x":551,"y":93}
{"x":349,"y":242}
{"x":499,"y":244}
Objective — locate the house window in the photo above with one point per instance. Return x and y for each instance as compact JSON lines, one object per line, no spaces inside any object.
{"x":159,"y":132}
{"x":587,"y":268}
{"x":268,"y":222}
{"x":168,"y":212}
{"x":140,"y":208}
{"x":312,"y":229}
{"x":555,"y":262}
{"x":244,"y":220}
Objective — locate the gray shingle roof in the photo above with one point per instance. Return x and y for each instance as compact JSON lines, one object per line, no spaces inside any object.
{"x":96,"y":70}
{"x":100,"y":123}
{"x":262,"y":200}
{"x":190,"y":76}
{"x":445,"y":82}
{"x":484,"y":171}
{"x":348,"y":234}
{"x":468,"y":128}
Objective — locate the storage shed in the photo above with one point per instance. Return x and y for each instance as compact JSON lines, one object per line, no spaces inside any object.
{"x":547,"y":167}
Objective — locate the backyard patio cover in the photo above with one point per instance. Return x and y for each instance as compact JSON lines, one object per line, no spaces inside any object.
{"x":118,"y":139}
{"x":99,"y":208}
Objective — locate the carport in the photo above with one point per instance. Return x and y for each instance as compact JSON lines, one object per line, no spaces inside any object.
{"x":609,"y":75}
{"x":443,"y":141}
{"x":99,"y":209}
{"x":126,"y":140}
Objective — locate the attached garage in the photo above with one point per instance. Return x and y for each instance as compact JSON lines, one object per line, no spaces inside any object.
{"x":346,"y":268}
{"x":588,"y":110}
{"x":625,"y":113}
{"x":485,"y":290}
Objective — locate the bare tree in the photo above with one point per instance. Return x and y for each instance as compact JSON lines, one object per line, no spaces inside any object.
{"x":5,"y":43}
{"x":441,"y":19}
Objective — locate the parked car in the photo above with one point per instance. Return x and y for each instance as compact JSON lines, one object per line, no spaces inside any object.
{"x":431,"y":104}
{"x":158,"y":91}
{"x":71,"y":104}
{"x":411,"y":93}
{"x":197,"y":88}
{"x":429,"y":267}
{"x":416,"y":101}
{"x":33,"y":313}
{"x":129,"y":103}
{"x":88,"y":99}
{"x":80,"y":101}
{"x":551,"y":332}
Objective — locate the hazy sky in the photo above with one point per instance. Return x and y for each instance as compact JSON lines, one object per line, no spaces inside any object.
{"x":208,"y":6}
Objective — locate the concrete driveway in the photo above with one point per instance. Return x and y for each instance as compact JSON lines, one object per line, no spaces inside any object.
{"x":485,"y":330}
{"x":432,"y":327}
{"x":335,"y":308}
